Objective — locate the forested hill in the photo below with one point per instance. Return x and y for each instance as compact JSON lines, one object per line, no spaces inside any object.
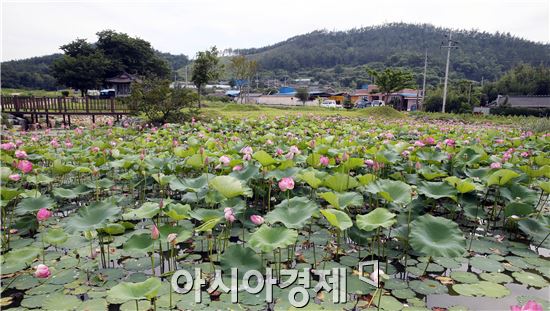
{"x":34,"y":72}
{"x":480,"y":54}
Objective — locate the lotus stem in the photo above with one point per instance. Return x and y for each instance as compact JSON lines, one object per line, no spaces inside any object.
{"x":137,"y":305}
{"x":543,"y":241}
{"x":427,"y":264}
{"x":152,"y":264}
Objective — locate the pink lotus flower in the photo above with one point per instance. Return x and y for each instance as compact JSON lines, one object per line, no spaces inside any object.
{"x":43,"y":214}
{"x":499,"y":141}
{"x":225,"y":160}
{"x":287,"y":183}
{"x":25,"y":166}
{"x":418,"y":143}
{"x":449,"y":142}
{"x":7,"y":146}
{"x":375,"y":276}
{"x":68,"y":143}
{"x":429,"y":141}
{"x":279,"y":151}
{"x":95,"y":149}
{"x":531,"y":305}
{"x":20,"y":154}
{"x":257,"y":219}
{"x":524,"y":154}
{"x":229,"y":215}
{"x":172,"y":238}
{"x":155,"y":232}
{"x":42,"y":271}
{"x":78,"y":131}
{"x":246,"y":150}
{"x":405,"y":153}
{"x":14,"y":177}
{"x":237,"y":168}
{"x":324,"y":161}
{"x":495,"y":165}
{"x":369,"y":162}
{"x":54,"y":143}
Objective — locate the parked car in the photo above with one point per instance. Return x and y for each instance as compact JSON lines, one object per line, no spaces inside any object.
{"x":377,"y":102}
{"x":362,"y":103}
{"x":330,"y":103}
{"x":107,"y":93}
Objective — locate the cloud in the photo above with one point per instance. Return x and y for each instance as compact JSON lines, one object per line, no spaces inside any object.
{"x":32,"y":28}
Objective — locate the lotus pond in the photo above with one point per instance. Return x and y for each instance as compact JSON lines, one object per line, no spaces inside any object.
{"x":456,"y":215}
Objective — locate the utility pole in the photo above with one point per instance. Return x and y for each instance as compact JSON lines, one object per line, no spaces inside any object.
{"x":186,"y":66}
{"x":424,"y":80}
{"x":450,"y":45}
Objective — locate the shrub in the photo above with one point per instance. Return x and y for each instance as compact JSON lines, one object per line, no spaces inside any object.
{"x":65,"y":93}
{"x":160,"y":103}
{"x":519,"y":111}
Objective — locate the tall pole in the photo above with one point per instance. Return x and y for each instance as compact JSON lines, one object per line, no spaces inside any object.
{"x":424,"y":79}
{"x":449,"y":46}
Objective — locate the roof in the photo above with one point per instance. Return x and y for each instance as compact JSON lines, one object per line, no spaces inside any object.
{"x":122,"y":78}
{"x":525,"y":101}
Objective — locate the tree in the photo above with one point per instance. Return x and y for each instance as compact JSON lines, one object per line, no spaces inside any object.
{"x":86,"y":66}
{"x":82,"y":67}
{"x":154,"y":98}
{"x":131,"y":55}
{"x":243,"y":71}
{"x":303,"y":95}
{"x":391,"y":80}
{"x":205,"y":68}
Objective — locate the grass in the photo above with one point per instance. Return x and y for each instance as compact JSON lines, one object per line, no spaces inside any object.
{"x":36,"y":93}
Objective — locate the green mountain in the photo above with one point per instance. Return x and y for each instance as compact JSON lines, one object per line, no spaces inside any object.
{"x":325,"y":55}
{"x":34,"y":73}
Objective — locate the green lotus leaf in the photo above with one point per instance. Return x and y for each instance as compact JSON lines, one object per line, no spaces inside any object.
{"x":386,"y":302}
{"x":470,"y":155}
{"x":125,"y":291}
{"x":337,"y":218}
{"x":195,"y":161}
{"x":482,"y":289}
{"x":518,"y":209}
{"x":56,"y":236}
{"x":59,"y":168}
{"x":64,"y":193}
{"x":427,"y":287}
{"x":103,"y":183}
{"x":310,"y":178}
{"x":247,"y":173}
{"x":501,"y":177}
{"x":358,"y":236}
{"x":366,"y":179}
{"x":293,"y":213}
{"x":437,"y":237}
{"x":61,"y":302}
{"x":242,"y":258}
{"x":190,"y":184}
{"x":8,"y":194}
{"x":391,"y":190}
{"x":230,"y":187}
{"x":486,"y":264}
{"x":340,"y":182}
{"x":5,"y":172}
{"x":530,"y":279}
{"x":351,"y":164}
{"x":461,"y":185}
{"x":183,"y":234}
{"x":431,"y":172}
{"x":437,"y":190}
{"x":515,"y":192}
{"x":495,"y":277}
{"x":178,"y":211}
{"x":114,"y":229}
{"x":464,"y":277}
{"x":141,"y":243}
{"x":267,"y":238}
{"x":82,"y":170}
{"x":264,"y":158}
{"x":32,"y":205}
{"x":375,"y":219}
{"x":431,"y":156}
{"x":183,"y":152}
{"x":25,"y":255}
{"x":204,"y":214}
{"x":208,"y":224}
{"x":93,"y":216}
{"x":544,"y":185}
{"x":342,"y":200}
{"x":147,"y":210}
{"x":39,"y":179}
{"x":162,"y":179}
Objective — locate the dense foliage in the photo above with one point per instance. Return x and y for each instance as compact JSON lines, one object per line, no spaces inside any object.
{"x":523,"y":79}
{"x":480,"y":54}
{"x":29,"y":73}
{"x":95,"y":218}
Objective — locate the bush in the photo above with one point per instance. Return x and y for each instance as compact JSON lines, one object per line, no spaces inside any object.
{"x":160,"y":103}
{"x":65,"y":93}
{"x":519,"y":111}
{"x":539,"y":125}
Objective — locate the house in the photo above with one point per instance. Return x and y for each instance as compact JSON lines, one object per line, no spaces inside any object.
{"x":534,"y":101}
{"x":405,"y":99}
{"x":121,"y":83}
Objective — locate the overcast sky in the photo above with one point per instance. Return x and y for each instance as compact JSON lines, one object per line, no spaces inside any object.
{"x":39,"y":27}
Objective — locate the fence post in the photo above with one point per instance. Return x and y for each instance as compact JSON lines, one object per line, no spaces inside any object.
{"x":16,"y":103}
{"x":112,"y":105}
